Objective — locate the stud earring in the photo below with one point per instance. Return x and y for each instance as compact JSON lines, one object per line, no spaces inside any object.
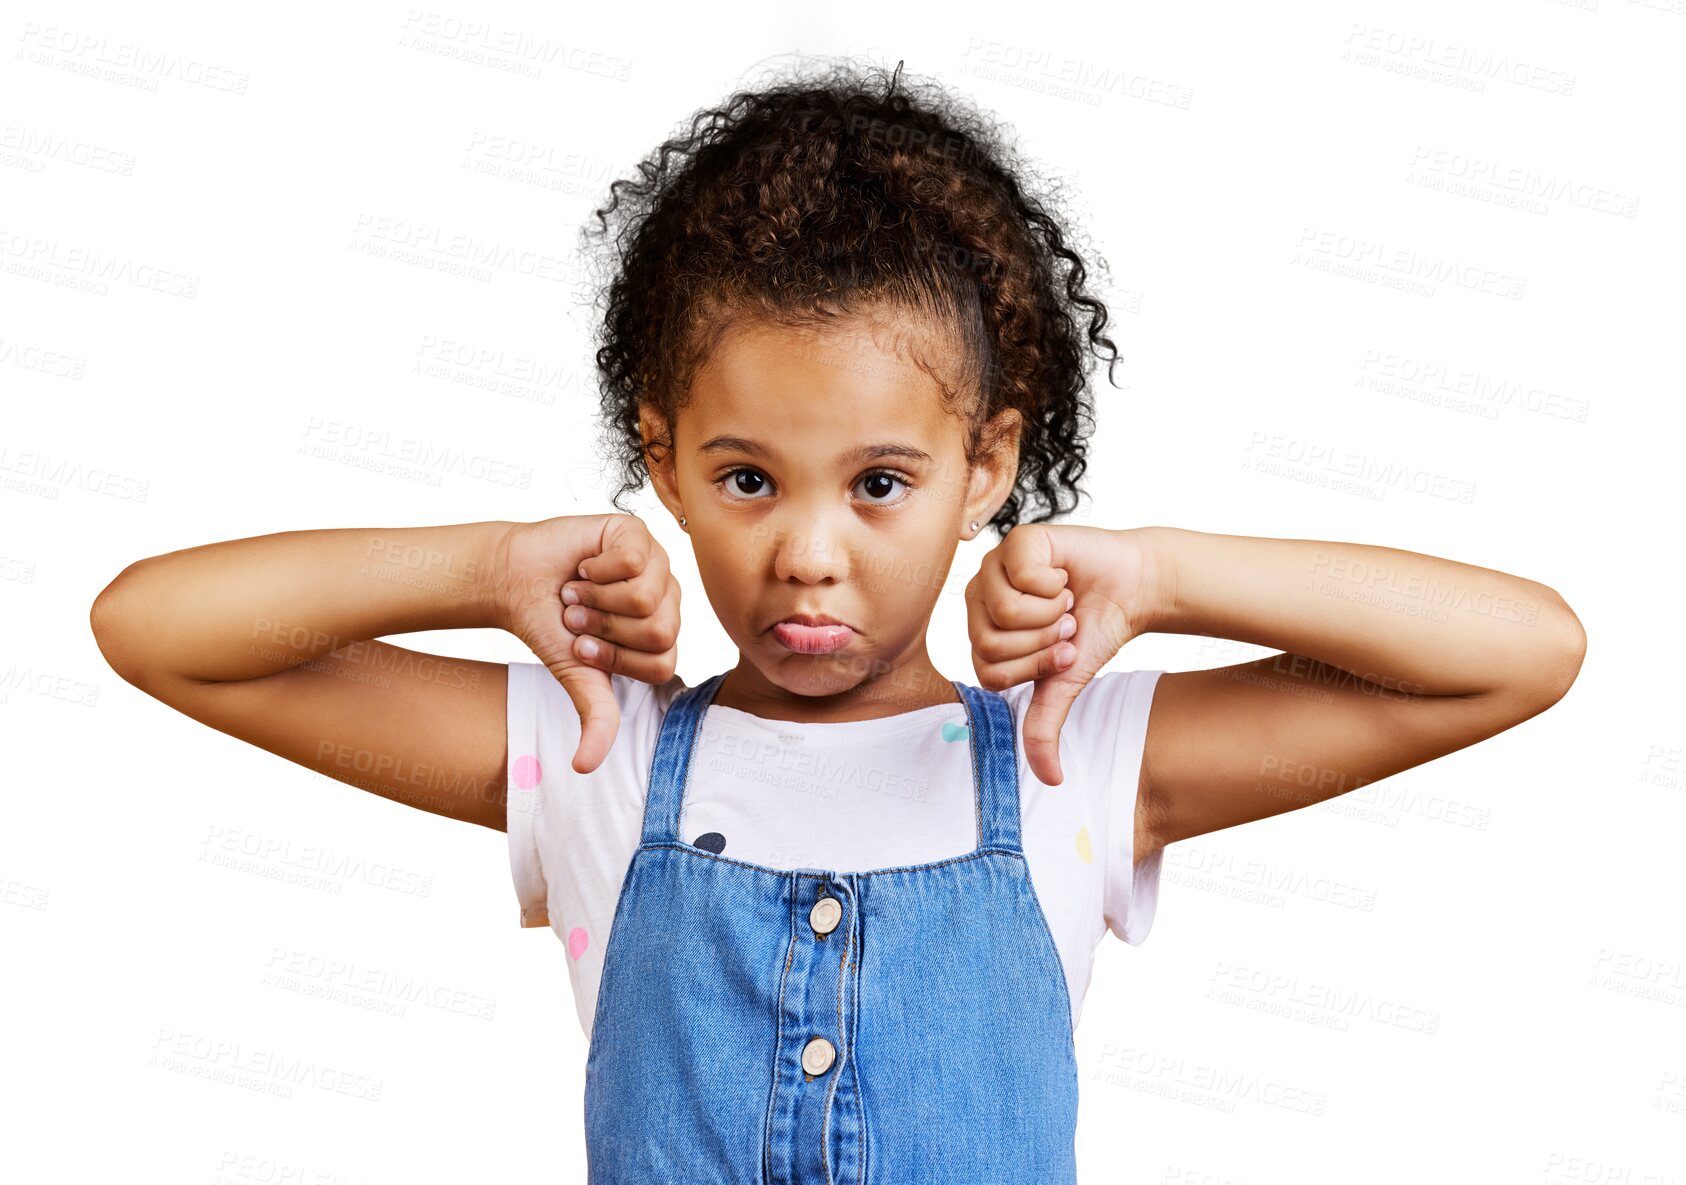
{"x":974,"y":526}
{"x":681,"y":520}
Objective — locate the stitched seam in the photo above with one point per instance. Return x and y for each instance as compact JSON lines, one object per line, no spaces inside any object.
{"x":610,"y":948}
{"x":1048,"y":932}
{"x":692,"y":849}
{"x":977,"y":765}
{"x":854,"y":1035}
{"x":843,"y":1052}
{"x":778,"y":1047}
{"x":1012,"y":778}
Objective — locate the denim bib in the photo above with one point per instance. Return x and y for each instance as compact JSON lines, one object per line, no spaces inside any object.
{"x":761,"y":1026}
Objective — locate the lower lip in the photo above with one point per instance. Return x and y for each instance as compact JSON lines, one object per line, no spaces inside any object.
{"x":813,"y":639}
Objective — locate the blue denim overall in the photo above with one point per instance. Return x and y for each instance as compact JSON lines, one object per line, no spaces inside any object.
{"x":764,"y":1026}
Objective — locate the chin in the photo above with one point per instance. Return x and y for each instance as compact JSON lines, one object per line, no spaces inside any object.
{"x":814,"y":675}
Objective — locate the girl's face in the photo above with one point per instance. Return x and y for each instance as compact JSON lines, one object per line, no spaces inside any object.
{"x":821,"y":478}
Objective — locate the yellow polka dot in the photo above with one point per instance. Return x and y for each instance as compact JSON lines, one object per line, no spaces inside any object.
{"x":1085,"y":852}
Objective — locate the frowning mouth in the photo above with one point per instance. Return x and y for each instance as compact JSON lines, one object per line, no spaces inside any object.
{"x":812,"y":619}
{"x":812,"y":633}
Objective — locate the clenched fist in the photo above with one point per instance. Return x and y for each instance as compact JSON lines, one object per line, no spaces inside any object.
{"x":1054,"y":604}
{"x":591,"y":595}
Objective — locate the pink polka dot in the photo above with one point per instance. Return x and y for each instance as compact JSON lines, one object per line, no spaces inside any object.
{"x":578,"y":940}
{"x":525,"y":773}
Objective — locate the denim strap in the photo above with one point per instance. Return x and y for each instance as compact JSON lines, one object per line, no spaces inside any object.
{"x":672,"y":761}
{"x":995,"y":766}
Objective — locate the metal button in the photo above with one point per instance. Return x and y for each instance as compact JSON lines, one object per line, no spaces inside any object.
{"x":817,"y":1055}
{"x":825,"y":915}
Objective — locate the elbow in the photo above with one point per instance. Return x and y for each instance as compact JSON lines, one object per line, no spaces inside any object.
{"x":103,"y":613}
{"x":108,"y":619}
{"x":1562,"y":651}
{"x":102,"y":623}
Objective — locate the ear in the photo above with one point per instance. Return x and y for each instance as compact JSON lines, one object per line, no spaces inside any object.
{"x":997,"y":467}
{"x":658,"y":456}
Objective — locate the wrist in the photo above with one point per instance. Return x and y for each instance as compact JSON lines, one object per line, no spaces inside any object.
{"x":491,"y":586}
{"x":1156,"y":609}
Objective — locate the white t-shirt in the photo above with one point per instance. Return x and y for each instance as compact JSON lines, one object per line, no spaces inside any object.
{"x":847,"y":797}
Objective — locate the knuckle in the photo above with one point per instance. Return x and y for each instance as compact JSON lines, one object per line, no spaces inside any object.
{"x":1018,"y":615}
{"x":992,"y":648}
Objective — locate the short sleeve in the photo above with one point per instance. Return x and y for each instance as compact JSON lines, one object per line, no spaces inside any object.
{"x":525,"y":797}
{"x":1132,"y":889}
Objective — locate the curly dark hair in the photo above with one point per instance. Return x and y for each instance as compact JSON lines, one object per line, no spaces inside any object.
{"x":818,"y":197}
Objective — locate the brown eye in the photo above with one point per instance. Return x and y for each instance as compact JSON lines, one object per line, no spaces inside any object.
{"x":882,"y":487}
{"x":745,"y":483}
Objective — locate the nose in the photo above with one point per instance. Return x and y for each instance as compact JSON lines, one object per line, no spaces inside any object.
{"x":809,"y":549}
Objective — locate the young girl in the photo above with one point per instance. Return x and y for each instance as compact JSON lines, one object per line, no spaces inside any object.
{"x":830,"y":914}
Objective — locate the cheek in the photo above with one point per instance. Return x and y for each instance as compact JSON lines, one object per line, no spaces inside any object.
{"x":729,"y":558}
{"x":910,"y":573}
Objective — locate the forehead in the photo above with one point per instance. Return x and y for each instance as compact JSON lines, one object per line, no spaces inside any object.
{"x":822,"y":391}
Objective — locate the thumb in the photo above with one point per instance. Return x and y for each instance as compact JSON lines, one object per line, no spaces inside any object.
{"x":600,"y":714}
{"x":1050,"y":703}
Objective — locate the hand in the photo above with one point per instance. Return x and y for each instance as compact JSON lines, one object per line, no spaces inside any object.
{"x":1054,"y":604}
{"x":591,"y":595}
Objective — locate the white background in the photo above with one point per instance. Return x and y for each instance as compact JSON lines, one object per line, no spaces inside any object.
{"x":1509,"y":1000}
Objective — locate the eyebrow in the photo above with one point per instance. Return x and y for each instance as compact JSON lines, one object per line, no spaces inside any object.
{"x":866,"y":452}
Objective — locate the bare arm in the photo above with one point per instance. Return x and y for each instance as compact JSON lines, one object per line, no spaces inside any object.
{"x":271,"y":639}
{"x":1389,"y":658}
